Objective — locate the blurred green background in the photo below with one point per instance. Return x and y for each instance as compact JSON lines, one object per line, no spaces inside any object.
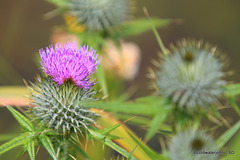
{"x":23,"y":31}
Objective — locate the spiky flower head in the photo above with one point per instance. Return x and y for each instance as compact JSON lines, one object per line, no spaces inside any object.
{"x":193,"y":145}
{"x":70,"y":62}
{"x":191,"y":75}
{"x":60,"y":107}
{"x":99,"y":14}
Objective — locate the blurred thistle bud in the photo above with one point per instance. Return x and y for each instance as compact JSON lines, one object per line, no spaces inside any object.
{"x":99,"y":14}
{"x":191,"y":75}
{"x":193,"y":145}
{"x":59,"y":97}
{"x":123,"y":60}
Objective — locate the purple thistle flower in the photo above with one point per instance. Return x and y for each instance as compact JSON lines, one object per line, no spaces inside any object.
{"x":70,"y":63}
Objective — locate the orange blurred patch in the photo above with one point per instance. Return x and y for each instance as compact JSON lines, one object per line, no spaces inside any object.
{"x":124,"y":60}
{"x":73,"y":24}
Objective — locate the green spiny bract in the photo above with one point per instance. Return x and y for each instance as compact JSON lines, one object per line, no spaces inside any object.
{"x":59,"y":106}
{"x":99,"y":14}
{"x":191,"y":75}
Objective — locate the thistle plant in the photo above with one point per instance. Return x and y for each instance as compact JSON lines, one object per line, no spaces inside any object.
{"x":56,"y":97}
{"x":191,"y":75}
{"x":193,"y":144}
{"x":66,"y":113}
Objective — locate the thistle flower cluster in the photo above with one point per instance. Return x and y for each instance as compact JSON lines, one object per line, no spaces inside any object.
{"x":192,"y":145}
{"x":99,"y":14}
{"x":70,"y":63}
{"x":58,"y":95}
{"x":191,"y":76}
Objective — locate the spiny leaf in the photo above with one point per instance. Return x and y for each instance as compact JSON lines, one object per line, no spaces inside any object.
{"x":109,"y":129}
{"x":20,"y":140}
{"x":131,"y":154}
{"x":148,"y":151}
{"x":108,"y":142}
{"x":79,"y":149}
{"x":126,"y":141}
{"x":30,"y":149}
{"x":157,"y":121}
{"x":23,"y":121}
{"x":46,"y":142}
{"x":118,"y":148}
{"x":225,"y":137}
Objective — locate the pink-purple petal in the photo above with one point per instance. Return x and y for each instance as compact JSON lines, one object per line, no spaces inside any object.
{"x":67,"y":62}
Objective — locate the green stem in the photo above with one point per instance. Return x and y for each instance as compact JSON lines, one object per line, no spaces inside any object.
{"x":159,"y":40}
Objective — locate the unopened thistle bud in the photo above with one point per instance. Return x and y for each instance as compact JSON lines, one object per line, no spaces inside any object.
{"x":193,"y":145}
{"x":99,"y":14}
{"x":191,"y":75}
{"x":57,"y":97}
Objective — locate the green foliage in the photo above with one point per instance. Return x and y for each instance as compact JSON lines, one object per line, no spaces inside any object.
{"x":23,"y":139}
{"x":234,"y":146}
{"x":232,"y":90}
{"x":138,"y":26}
{"x":59,"y":3}
{"x":147,"y":150}
{"x":46,"y":142}
{"x":131,"y":154}
{"x":148,"y":106}
{"x":23,"y":121}
{"x":30,"y":149}
{"x":225,"y":137}
{"x":79,"y":149}
{"x":30,"y":135}
{"x":156,"y":122}
{"x":104,"y":136}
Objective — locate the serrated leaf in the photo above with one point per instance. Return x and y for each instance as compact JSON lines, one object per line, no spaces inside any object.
{"x":138,"y":26}
{"x":23,"y":121}
{"x":47,"y":144}
{"x":156,"y":122}
{"x":30,"y":149}
{"x":20,"y":140}
{"x":225,"y":137}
